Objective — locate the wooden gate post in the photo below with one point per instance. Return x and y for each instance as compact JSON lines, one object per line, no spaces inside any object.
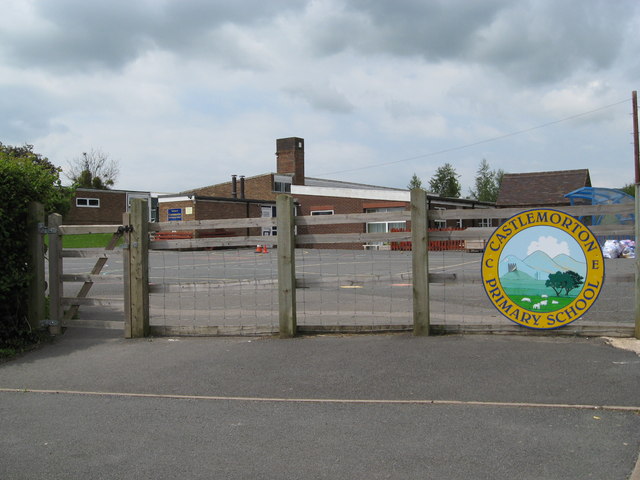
{"x":286,"y":266}
{"x":137,"y":271}
{"x":420,"y":262}
{"x":35,"y":305}
{"x":55,"y":274}
{"x":637,"y":262}
{"x":126,"y":274}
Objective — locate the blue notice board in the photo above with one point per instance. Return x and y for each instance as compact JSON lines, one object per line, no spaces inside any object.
{"x":175,"y":214}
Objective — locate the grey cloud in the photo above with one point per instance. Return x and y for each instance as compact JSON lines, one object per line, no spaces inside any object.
{"x":432,"y":29}
{"x":528,"y":40}
{"x":85,"y":35}
{"x":26,"y":114}
{"x":323,"y":98}
{"x":549,"y":44}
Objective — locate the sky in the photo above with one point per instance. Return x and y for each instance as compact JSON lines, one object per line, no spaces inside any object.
{"x":185,"y":93}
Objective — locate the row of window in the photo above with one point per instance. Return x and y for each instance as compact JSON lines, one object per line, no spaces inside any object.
{"x":384,"y":227}
{"x":373,"y":227}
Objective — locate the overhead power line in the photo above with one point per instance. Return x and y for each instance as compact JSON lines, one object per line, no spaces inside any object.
{"x":479,"y":142}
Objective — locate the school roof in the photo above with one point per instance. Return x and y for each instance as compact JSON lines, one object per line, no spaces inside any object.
{"x":540,"y":188}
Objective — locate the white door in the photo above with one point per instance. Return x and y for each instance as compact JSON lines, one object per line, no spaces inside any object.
{"x":269,"y":211}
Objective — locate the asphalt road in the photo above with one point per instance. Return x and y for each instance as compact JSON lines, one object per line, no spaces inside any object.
{"x":94,"y":405}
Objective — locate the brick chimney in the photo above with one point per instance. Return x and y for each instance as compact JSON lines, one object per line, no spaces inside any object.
{"x":290,"y":158}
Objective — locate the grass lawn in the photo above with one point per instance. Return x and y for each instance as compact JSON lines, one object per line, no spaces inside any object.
{"x":549,"y":307}
{"x":89,"y":240}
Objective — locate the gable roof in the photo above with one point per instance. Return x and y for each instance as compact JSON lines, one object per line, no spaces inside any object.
{"x":540,"y":188}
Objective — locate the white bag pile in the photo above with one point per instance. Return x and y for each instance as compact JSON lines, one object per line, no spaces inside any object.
{"x":619,"y":249}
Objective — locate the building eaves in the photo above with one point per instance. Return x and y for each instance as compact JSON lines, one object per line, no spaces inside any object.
{"x":324,"y":182}
{"x":459,"y":201}
{"x":108,"y":190}
{"x":185,"y":196}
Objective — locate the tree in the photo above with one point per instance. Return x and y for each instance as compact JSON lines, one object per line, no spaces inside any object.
{"x":445,"y":182}
{"x":93,"y":170}
{"x":487,"y":183}
{"x":415,"y":182}
{"x":629,"y":189}
{"x":26,"y":152}
{"x":566,"y":281}
{"x":25,"y":176}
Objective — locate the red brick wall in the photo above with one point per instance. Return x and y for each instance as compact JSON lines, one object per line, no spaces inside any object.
{"x":290,"y":158}
{"x":309,"y":203}
{"x":256,"y":188}
{"x":112,"y":206}
{"x":163,"y":210}
{"x":204,"y":209}
{"x":212,"y":209}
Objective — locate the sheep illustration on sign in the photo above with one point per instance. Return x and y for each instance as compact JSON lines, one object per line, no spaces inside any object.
{"x":542,"y":269}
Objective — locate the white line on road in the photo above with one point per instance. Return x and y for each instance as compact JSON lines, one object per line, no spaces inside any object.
{"x":622,"y":408}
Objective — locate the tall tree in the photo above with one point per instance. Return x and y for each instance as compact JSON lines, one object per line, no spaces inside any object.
{"x":445,"y":182}
{"x":629,"y":189}
{"x":487,"y":182}
{"x":93,"y":170}
{"x":415,"y":182}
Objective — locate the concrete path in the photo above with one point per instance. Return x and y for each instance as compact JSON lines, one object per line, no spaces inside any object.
{"x":94,"y":405}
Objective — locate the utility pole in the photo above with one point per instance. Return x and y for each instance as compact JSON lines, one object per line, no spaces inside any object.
{"x":636,"y":161}
{"x":636,"y":145}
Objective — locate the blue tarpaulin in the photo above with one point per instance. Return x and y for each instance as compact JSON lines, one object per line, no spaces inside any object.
{"x":603,"y":196}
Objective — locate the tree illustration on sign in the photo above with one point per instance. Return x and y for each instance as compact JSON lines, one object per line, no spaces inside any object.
{"x":566,"y":281}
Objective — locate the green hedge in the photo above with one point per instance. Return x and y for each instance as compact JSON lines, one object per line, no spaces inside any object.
{"x":24,"y":177}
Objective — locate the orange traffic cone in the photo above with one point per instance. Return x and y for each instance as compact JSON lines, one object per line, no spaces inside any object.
{"x":258,"y":249}
{"x":264,"y":249}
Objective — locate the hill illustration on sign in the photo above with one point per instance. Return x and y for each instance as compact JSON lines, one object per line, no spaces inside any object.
{"x":544,"y":279}
{"x":542,"y":269}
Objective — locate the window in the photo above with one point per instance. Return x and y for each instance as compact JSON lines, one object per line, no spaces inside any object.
{"x":282,"y":187}
{"x":321,"y":212}
{"x":486,"y":222}
{"x":152,"y":203}
{"x":385,"y":227}
{"x":440,"y":223}
{"x":88,"y":202}
{"x":282,"y":184}
{"x":269,"y":211}
{"x":384,"y":209}
{"x":459,"y":223}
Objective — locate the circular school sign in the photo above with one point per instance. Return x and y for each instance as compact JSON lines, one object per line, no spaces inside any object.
{"x":542,"y":269}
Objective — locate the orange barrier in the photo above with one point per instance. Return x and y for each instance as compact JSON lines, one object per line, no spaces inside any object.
{"x":173,"y":235}
{"x":189,"y":234}
{"x":434,"y":245}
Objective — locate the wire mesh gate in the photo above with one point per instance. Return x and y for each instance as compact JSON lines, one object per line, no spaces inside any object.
{"x":224,"y":285}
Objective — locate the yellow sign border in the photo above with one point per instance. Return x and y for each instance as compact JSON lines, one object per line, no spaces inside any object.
{"x":536,"y":319}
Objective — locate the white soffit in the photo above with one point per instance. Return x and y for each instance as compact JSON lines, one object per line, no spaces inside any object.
{"x":368,"y":194}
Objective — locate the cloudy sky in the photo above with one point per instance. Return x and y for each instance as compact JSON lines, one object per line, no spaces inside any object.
{"x":184,"y":93}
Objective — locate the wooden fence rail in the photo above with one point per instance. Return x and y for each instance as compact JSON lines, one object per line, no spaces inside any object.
{"x":139,"y":232}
